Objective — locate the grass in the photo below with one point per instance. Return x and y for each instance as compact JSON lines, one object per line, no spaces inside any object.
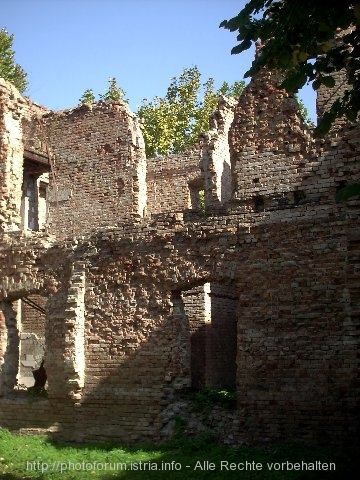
{"x":19,"y":452}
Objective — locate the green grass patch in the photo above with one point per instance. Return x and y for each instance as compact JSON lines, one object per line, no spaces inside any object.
{"x":37,"y":457}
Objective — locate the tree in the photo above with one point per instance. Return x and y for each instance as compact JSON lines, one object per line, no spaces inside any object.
{"x":87,"y":97}
{"x":172,"y":123}
{"x":304,"y":112}
{"x":299,"y":38}
{"x":10,"y":70}
{"x":114,"y":92}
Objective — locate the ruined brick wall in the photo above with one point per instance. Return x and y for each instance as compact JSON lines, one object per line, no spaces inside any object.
{"x":12,"y":106}
{"x":33,"y":320}
{"x":210,"y":311}
{"x":118,"y":336}
{"x":296,"y":324}
{"x":298,"y":317}
{"x":197,"y":309}
{"x":9,"y":341}
{"x":216,"y":164}
{"x":174,"y":181}
{"x":280,"y":171}
{"x":20,"y":133}
{"x":222,"y":345}
{"x":275,"y":162}
{"x":99,"y":166}
{"x":34,"y":133}
{"x":168,"y":180}
{"x":269,"y":144}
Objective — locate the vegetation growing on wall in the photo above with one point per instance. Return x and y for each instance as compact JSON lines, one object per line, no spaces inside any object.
{"x":114,"y":92}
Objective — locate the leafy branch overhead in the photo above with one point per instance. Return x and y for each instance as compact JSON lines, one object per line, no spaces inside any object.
{"x":299,"y":38}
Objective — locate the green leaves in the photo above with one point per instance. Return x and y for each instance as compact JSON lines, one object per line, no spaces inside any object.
{"x":10,"y":70}
{"x":347,"y":192}
{"x":299,"y":38}
{"x":173,"y":123}
{"x":113,"y":93}
{"x":294,"y":81}
{"x":327,"y":81}
{"x":241,"y":48}
{"x":87,"y":97}
{"x":304,"y":112}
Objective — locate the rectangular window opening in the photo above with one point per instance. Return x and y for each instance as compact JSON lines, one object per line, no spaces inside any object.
{"x":211,"y":312}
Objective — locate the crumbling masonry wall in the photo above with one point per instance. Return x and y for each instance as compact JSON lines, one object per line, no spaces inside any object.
{"x":18,"y":121}
{"x":216,"y":162}
{"x":31,"y":320}
{"x":12,"y":106}
{"x":211,"y":316}
{"x":99,"y":168}
{"x":282,"y":265}
{"x":170,"y":179}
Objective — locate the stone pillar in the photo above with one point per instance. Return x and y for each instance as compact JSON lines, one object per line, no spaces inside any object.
{"x":11,"y":156}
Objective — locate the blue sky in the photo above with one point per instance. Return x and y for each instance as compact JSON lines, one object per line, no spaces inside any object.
{"x":67,"y":46}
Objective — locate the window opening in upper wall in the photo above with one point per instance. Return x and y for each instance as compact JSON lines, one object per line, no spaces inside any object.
{"x":197,"y":195}
{"x":34,"y":193}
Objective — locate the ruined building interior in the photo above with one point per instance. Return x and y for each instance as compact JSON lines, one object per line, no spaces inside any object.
{"x":133,"y":292}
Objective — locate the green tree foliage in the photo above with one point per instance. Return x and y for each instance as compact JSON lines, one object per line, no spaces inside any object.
{"x":114,"y":92}
{"x":10,"y":70}
{"x":304,"y":112}
{"x":298,"y":38}
{"x":87,"y":97}
{"x":172,"y":123}
{"x":348,"y":192}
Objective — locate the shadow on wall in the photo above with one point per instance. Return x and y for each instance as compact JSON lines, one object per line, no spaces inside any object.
{"x":211,"y":312}
{"x":141,"y":379}
{"x":147,"y":367}
{"x":11,"y":342}
{"x":227,"y":188}
{"x":25,"y":343}
{"x":137,"y":343}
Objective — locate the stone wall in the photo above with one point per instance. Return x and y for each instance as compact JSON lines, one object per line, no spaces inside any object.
{"x":216,"y":163}
{"x":20,"y":136}
{"x":210,"y":311}
{"x":126,"y":301}
{"x":31,"y":326}
{"x":99,"y":168}
{"x":171,"y":179}
{"x":12,"y":106}
{"x":270,"y":145}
